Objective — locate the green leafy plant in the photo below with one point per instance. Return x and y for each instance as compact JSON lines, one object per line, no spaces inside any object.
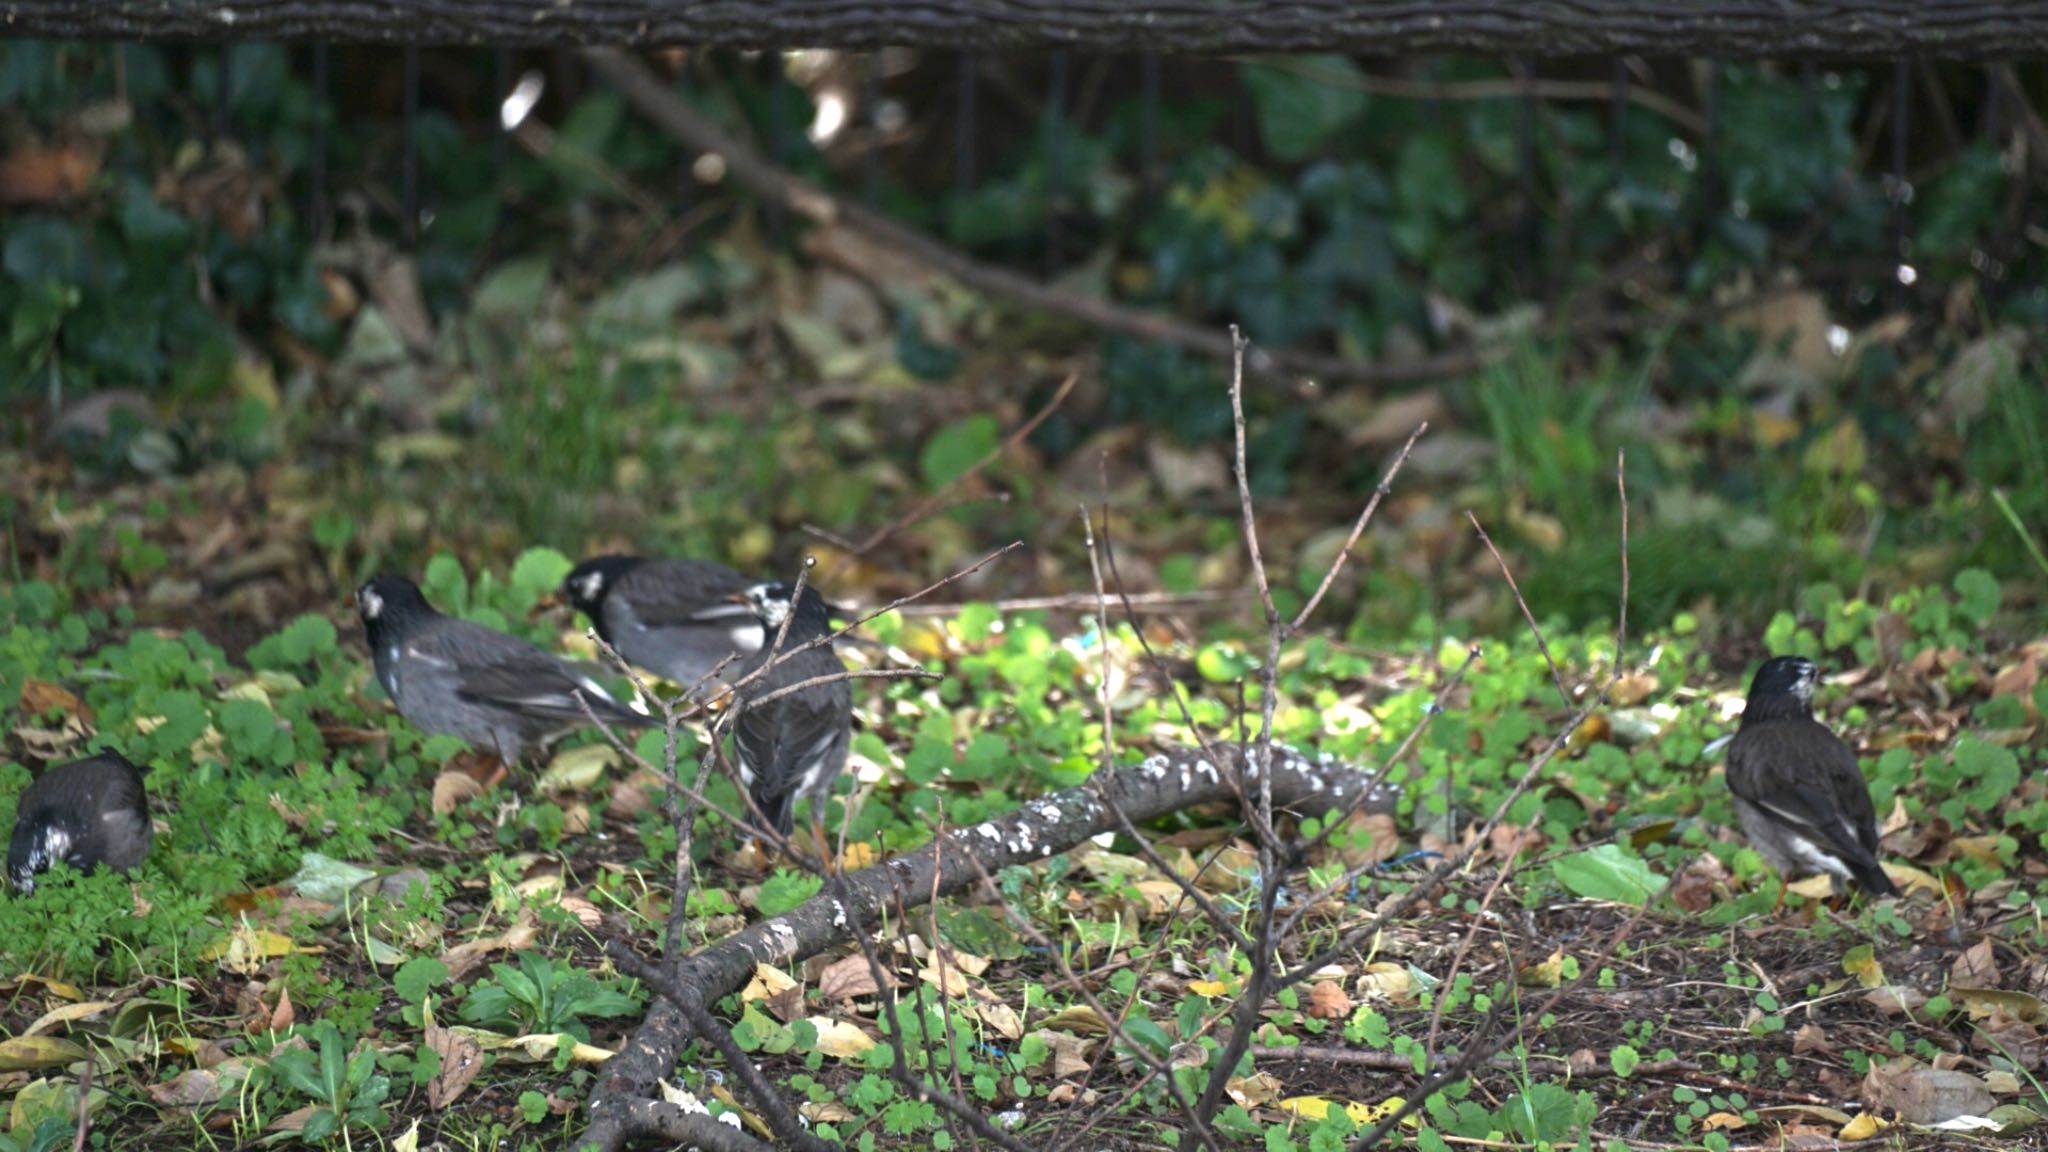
{"x":343,"y":1084}
{"x":543,"y":995}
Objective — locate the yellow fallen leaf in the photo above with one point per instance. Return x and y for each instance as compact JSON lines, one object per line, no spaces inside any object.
{"x":1079,"y":1018}
{"x":1910,"y":879}
{"x":1386,"y":979}
{"x":723,"y":1095}
{"x":55,"y":988}
{"x":1727,"y":1121}
{"x":767,"y":982}
{"x":1317,"y":1107}
{"x":1548,"y":974}
{"x":840,"y":1039}
{"x":1863,"y":1127}
{"x":1210,"y":988}
{"x":244,"y":950}
{"x":857,"y":855}
{"x":66,"y":1015}
{"x":1001,"y":1018}
{"x":19,"y":1053}
{"x":576,"y":769}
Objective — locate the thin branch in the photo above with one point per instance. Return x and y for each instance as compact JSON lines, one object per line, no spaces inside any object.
{"x":1358,"y":527}
{"x":1564,"y":694}
{"x":926,"y":506}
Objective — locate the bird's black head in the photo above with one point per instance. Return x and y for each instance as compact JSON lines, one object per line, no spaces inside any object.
{"x":588,"y":583}
{"x":771,"y":605}
{"x":1782,"y":688}
{"x":388,"y":600}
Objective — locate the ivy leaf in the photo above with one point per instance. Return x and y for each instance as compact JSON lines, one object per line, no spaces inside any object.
{"x":1977,"y":595}
{"x":1302,"y":105}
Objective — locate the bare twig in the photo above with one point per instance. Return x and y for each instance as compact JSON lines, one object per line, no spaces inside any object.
{"x":1564,"y":694}
{"x":1358,"y":528}
{"x":1272,"y":853}
{"x":932,"y":502}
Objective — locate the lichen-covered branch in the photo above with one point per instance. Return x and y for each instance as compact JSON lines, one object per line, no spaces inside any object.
{"x":1162,"y":783}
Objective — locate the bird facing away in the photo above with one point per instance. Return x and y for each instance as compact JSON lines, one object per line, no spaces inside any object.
{"x":675,"y":618}
{"x":793,"y":746}
{"x":1802,"y":798}
{"x":87,"y":813}
{"x":497,"y":692}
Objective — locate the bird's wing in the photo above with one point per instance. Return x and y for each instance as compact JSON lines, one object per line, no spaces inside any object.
{"x":797,"y":739}
{"x":1806,"y":779}
{"x":684,"y":594}
{"x":489,"y":667}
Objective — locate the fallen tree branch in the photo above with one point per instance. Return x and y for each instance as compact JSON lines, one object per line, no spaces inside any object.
{"x":658,"y":102}
{"x":1163,"y":783}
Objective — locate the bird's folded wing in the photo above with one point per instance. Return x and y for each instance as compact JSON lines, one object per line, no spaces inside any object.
{"x":1807,"y":781}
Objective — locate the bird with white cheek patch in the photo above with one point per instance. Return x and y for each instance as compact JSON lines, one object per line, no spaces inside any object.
{"x":1802,"y":798}
{"x":89,"y":814}
{"x":496,"y":692}
{"x":675,"y":618}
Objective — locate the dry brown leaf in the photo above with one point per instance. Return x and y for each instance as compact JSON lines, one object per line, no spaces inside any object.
{"x":451,"y":789}
{"x":282,"y":1017}
{"x":462,"y":958}
{"x":41,"y":696}
{"x":1327,"y":1000}
{"x":47,"y":174}
{"x":850,"y":977}
{"x":462,"y":1058}
{"x":1810,"y":1038}
{"x":1977,"y":967}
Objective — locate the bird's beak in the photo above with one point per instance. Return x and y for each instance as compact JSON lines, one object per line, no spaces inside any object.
{"x":737,"y":598}
{"x":544,"y":605}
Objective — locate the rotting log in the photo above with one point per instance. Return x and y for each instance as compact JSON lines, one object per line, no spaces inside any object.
{"x":1929,"y":29}
{"x":1166,"y":782}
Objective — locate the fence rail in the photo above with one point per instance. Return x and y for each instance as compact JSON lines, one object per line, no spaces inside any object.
{"x":1732,"y":29}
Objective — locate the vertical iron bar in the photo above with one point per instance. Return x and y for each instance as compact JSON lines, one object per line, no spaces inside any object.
{"x":870,"y":105}
{"x":778,"y":137}
{"x":1148,"y":120}
{"x":409,"y":228}
{"x":1990,"y":270}
{"x":963,"y":139}
{"x":1618,"y":128}
{"x":224,"y":69}
{"x":1902,"y":191}
{"x":1055,"y":145}
{"x":316,"y":174}
{"x":501,"y":87}
{"x":1710,"y":147}
{"x":1525,"y":166}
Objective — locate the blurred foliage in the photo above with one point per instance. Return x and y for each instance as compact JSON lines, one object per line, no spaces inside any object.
{"x":159,"y":241}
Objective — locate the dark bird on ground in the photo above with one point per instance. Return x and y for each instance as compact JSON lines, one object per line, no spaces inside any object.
{"x":675,"y":618}
{"x":1803,"y":800}
{"x":794,"y":746}
{"x":87,"y":813}
{"x":497,"y":692}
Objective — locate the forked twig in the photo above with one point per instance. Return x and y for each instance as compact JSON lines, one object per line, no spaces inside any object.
{"x":1563,"y":694}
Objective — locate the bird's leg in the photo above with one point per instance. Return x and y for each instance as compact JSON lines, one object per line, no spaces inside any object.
{"x":826,"y":860}
{"x":1780,"y":905}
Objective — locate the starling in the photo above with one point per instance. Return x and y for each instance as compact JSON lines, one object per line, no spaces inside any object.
{"x":793,"y":746}
{"x":497,"y":692}
{"x":675,"y":618}
{"x":86,"y":813}
{"x":1802,"y":798}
